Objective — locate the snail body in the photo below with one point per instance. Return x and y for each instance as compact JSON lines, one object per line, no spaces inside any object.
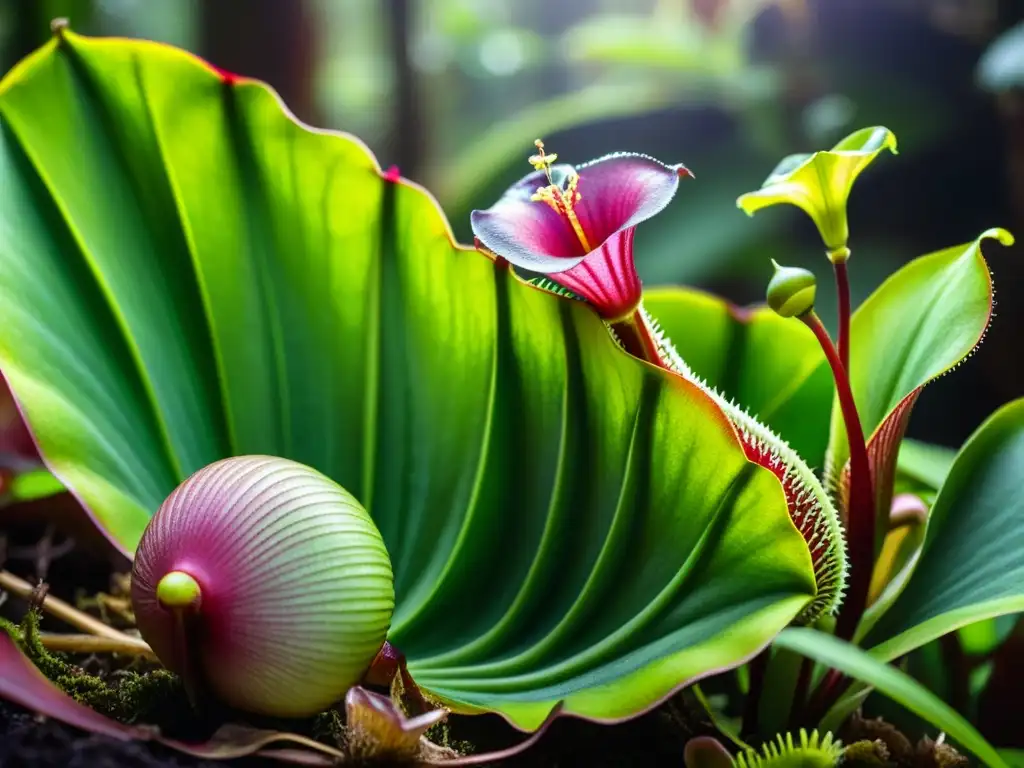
{"x":267,"y":581}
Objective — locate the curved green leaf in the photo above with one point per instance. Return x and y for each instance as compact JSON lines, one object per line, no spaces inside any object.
{"x":926,"y":463}
{"x":920,"y":323}
{"x":770,"y":366}
{"x":898,"y":686}
{"x":188,"y":273}
{"x":972,"y":565}
{"x":921,"y":468}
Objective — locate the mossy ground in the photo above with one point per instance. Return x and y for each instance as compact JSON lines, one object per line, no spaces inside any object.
{"x":125,"y":695}
{"x":154,"y":696}
{"x":134,"y":691}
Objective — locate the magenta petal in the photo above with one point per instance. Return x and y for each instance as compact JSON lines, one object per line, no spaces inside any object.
{"x":617,"y":192}
{"x":607,"y":277}
{"x":623,"y":190}
{"x":530,"y":234}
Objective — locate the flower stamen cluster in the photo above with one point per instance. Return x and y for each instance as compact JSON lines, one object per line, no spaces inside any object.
{"x":562,"y":201}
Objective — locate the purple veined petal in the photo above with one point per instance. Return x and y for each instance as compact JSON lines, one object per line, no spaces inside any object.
{"x":617,"y":192}
{"x":622,"y":190}
{"x":530,"y":234}
{"x":607,"y":277}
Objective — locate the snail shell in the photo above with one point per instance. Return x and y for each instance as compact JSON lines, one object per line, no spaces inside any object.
{"x":267,"y":581}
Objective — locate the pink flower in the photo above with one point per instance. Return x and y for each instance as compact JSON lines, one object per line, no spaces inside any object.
{"x":577,"y":224}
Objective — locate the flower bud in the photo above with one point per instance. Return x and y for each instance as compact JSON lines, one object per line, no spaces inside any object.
{"x":791,"y":291}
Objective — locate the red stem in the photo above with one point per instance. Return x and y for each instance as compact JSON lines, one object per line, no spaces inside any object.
{"x":843,"y":291}
{"x":829,"y":690}
{"x":861,"y":505}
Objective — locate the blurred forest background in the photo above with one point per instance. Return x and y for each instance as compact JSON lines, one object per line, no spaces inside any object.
{"x":455,"y":91}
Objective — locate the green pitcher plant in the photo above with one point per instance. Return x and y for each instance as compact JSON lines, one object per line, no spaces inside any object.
{"x":507,"y":476}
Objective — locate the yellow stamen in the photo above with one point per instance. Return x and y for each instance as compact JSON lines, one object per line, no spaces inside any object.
{"x":542,"y":161}
{"x":562,"y":201}
{"x":569,"y":199}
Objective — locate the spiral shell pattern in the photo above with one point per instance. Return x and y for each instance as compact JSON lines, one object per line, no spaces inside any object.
{"x":296,"y":585}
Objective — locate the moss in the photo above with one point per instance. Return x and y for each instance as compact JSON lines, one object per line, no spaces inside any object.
{"x":128,"y":696}
{"x":329,"y":727}
{"x":441,"y":734}
{"x":11,"y":629}
{"x":786,"y":751}
{"x":866,"y":754}
{"x":26,"y":636}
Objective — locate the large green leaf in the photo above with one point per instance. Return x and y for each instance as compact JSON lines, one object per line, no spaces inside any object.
{"x":920,"y":323}
{"x":898,"y":686}
{"x":187,"y":273}
{"x":972,"y":565}
{"x":925,"y":463}
{"x":921,"y":468}
{"x":771,"y":366}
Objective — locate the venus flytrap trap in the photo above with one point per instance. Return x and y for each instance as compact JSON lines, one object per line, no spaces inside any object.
{"x":813,"y":750}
